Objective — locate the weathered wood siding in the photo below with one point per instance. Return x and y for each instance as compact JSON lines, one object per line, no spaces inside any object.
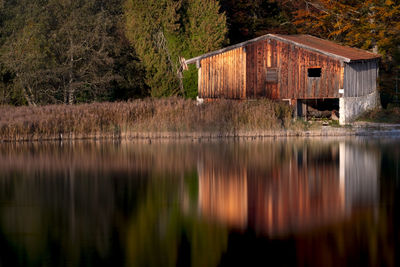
{"x":223,"y":75}
{"x":249,"y":71}
{"x":360,"y":78}
{"x":292,"y":63}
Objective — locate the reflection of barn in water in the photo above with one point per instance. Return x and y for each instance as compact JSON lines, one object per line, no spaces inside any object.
{"x":223,"y":193}
{"x":311,"y":187}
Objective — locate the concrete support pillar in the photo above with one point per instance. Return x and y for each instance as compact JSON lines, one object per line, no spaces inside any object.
{"x":350,"y":108}
{"x":342,"y":111}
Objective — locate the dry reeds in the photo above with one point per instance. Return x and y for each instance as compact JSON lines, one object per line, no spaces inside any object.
{"x":140,"y":116}
{"x":389,"y":115}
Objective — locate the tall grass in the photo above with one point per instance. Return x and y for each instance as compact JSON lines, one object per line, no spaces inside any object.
{"x":141,"y":116}
{"x":389,"y":115}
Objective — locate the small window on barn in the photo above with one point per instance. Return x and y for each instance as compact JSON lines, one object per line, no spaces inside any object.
{"x":272,"y":75}
{"x":314,"y":72}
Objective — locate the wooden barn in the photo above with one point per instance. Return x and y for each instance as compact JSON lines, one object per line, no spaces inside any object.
{"x":309,"y":72}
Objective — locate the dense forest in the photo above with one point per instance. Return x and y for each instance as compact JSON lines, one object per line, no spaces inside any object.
{"x":77,"y":51}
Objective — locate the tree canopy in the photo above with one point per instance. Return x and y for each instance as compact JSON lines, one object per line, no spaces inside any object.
{"x":63,"y":51}
{"x":163,"y":31}
{"x":55,"y":51}
{"x":250,"y":19}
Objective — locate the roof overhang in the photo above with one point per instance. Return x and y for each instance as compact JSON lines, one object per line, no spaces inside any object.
{"x":281,"y":39}
{"x":226,"y":49}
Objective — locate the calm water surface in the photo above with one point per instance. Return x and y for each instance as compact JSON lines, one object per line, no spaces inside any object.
{"x":282,"y":202}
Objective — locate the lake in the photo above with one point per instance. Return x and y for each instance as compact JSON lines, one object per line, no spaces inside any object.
{"x":276,"y":202}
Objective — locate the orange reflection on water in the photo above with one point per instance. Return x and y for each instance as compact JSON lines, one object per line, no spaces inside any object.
{"x":223,"y":195}
{"x":295,"y":197}
{"x":306,"y":190}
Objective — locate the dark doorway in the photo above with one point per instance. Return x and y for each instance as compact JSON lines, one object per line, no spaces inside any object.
{"x":318,"y":108}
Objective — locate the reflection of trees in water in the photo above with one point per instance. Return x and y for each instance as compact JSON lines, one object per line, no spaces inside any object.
{"x":365,"y":240}
{"x":89,"y":202}
{"x":97,"y":157}
{"x":137,"y":204}
{"x":71,"y":214}
{"x":159,"y":234}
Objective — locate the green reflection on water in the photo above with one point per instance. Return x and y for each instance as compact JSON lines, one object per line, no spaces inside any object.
{"x":159,"y":234}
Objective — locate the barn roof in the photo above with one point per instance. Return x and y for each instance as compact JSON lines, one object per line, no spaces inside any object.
{"x":351,"y":53}
{"x":329,"y":48}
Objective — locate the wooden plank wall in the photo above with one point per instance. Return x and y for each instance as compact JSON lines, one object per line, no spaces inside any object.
{"x":360,"y":78}
{"x":241,"y":73}
{"x":223,"y":75}
{"x":292,"y":63}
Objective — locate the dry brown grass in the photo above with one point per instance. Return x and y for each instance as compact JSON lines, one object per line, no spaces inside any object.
{"x":389,"y":115}
{"x":148,"y":115}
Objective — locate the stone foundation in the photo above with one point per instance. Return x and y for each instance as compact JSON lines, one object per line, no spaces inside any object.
{"x":352,"y":107}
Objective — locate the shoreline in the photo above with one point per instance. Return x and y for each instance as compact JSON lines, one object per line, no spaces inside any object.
{"x":170,"y":119}
{"x":356,"y":129}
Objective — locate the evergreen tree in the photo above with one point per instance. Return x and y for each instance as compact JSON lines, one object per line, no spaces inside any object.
{"x":153,"y":28}
{"x":163,"y":31}
{"x":250,"y":19}
{"x":206,"y":31}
